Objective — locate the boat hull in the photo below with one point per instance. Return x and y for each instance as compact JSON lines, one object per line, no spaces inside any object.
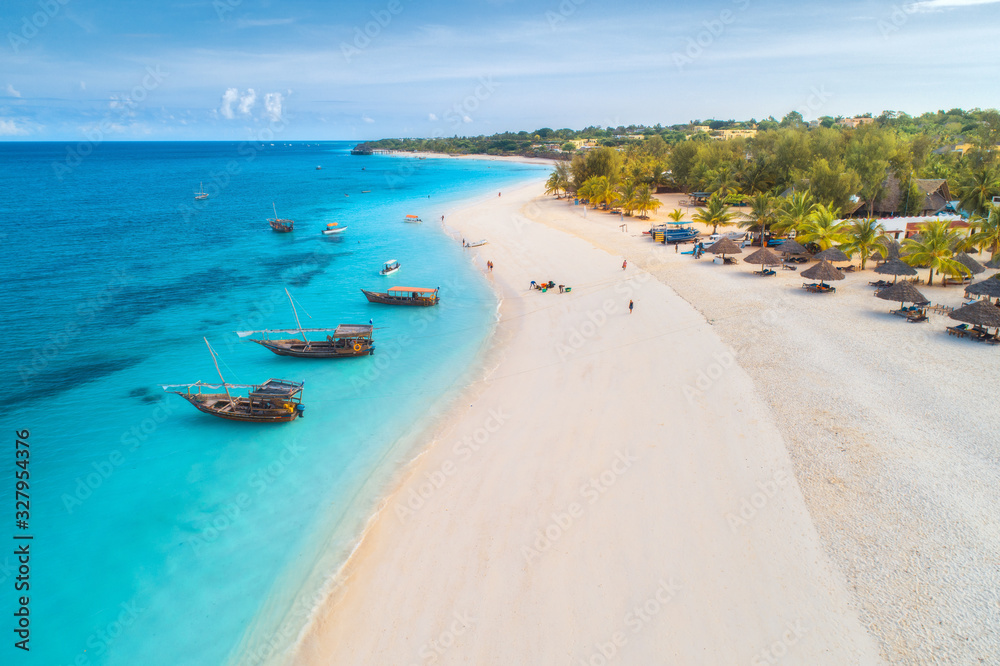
{"x":333,"y":232}
{"x":318,"y":349}
{"x":388,"y":272}
{"x":218,"y":404}
{"x":386,"y":299}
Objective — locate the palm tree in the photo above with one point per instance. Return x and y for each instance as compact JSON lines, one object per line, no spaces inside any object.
{"x":646,"y":202}
{"x":762,"y":214}
{"x":794,"y":211}
{"x":934,"y":248}
{"x":864,"y":237}
{"x":552,"y":185}
{"x":978,"y":188}
{"x":627,"y":196}
{"x":716,"y":213}
{"x":676,"y":215}
{"x":823,"y":228}
{"x":595,"y":189}
{"x":987,"y":236}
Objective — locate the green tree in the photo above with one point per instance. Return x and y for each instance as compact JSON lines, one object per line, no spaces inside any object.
{"x":934,"y":247}
{"x":823,"y":228}
{"x":794,"y":212}
{"x":761,"y":216}
{"x":987,"y":236}
{"x":867,"y":156}
{"x":715,"y":213}
{"x":977,"y":189}
{"x":863,"y":237}
{"x":645,"y":202}
{"x":676,"y":215}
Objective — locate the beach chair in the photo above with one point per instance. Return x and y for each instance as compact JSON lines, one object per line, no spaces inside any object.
{"x":959,"y":331}
{"x":917,"y":317}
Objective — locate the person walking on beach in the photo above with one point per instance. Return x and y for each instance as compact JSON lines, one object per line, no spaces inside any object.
{"x":630,"y":306}
{"x":624,"y":264}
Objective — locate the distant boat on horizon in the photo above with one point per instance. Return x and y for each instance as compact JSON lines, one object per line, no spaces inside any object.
{"x":201,"y":193}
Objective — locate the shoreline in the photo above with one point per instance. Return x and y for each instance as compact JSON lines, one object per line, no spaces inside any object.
{"x":399,"y":578}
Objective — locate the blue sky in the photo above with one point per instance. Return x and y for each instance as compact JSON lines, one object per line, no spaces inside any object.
{"x":239,"y":69}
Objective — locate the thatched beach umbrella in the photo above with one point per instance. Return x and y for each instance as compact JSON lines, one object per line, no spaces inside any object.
{"x":904,"y":292}
{"x":980,"y":313}
{"x":764,"y":257}
{"x":832,"y":254}
{"x":993,"y":263}
{"x":989,"y":287}
{"x":974,"y":266}
{"x":895,"y":267}
{"x":892,"y":249}
{"x":724,"y":246}
{"x":823,"y":271}
{"x":792,"y":247}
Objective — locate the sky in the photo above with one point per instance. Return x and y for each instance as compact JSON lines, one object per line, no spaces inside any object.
{"x":332,"y":70}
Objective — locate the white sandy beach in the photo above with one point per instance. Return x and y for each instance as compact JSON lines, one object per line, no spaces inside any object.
{"x":616,"y":489}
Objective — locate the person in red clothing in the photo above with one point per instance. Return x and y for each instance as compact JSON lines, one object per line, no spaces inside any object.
{"x":624,"y":264}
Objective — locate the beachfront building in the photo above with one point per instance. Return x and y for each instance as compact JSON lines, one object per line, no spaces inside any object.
{"x":934,"y":192}
{"x":905,"y":227}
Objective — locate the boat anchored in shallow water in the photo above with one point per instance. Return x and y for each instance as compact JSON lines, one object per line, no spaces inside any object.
{"x":389,"y":267}
{"x":274,"y":401}
{"x":279,"y":225}
{"x":333,"y":228}
{"x":412,"y":218}
{"x":342,"y":342}
{"x":417,"y":296}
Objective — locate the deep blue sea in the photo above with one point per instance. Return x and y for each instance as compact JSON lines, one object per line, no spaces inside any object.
{"x":161,"y":535}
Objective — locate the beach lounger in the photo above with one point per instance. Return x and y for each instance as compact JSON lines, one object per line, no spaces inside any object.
{"x":959,"y":331}
{"x":765,"y":273}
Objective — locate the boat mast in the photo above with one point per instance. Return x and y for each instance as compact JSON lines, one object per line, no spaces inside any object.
{"x":224,"y":385}
{"x":295,"y":312}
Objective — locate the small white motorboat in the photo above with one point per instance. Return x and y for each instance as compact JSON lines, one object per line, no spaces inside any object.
{"x":333,"y":228}
{"x":477,"y":243}
{"x":389,"y":267}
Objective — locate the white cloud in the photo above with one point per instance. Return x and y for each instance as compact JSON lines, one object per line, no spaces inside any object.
{"x":272,"y":106}
{"x":10,"y":128}
{"x":432,"y":117}
{"x":12,"y":92}
{"x":247,"y":101}
{"x":938,"y":5}
{"x":368,"y":119}
{"x":228,"y":99}
{"x":466,"y":119}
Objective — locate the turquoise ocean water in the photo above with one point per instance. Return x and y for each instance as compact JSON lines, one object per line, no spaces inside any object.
{"x":162,"y":535}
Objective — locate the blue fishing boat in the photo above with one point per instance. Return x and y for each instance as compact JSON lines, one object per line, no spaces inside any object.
{"x":674,"y":232}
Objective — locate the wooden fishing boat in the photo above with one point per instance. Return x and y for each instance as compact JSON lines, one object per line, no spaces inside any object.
{"x":274,"y":401}
{"x":333,"y":228}
{"x":201,"y":194}
{"x":344,"y":341}
{"x":403,"y":296}
{"x":412,"y":218}
{"x":279,"y":225}
{"x":389,"y":267}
